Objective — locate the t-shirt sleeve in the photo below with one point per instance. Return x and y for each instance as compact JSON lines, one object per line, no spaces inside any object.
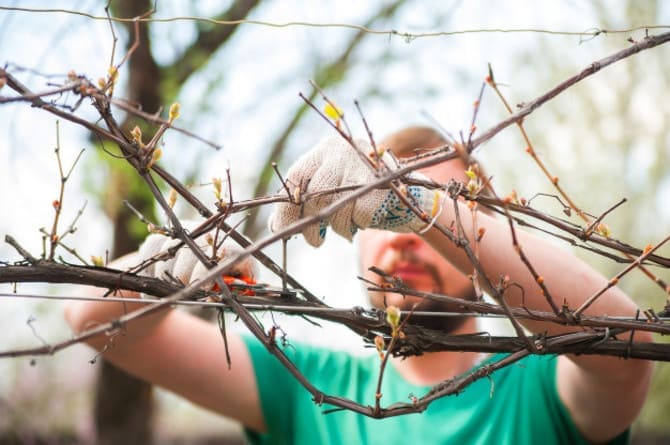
{"x":276,"y":389}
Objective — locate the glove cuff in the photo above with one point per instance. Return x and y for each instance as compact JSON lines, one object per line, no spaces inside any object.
{"x":394,"y":215}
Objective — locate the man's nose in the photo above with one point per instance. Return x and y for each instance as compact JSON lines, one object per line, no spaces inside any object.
{"x":405,"y":241}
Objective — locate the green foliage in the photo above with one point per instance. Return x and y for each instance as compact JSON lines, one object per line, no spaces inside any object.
{"x":110,"y":180}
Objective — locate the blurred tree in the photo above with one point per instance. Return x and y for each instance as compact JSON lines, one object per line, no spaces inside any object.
{"x":123,"y":405}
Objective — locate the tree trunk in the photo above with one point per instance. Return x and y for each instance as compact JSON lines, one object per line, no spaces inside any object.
{"x":123,"y":408}
{"x":124,"y":405}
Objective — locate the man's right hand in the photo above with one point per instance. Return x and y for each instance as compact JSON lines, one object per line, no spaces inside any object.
{"x":334,"y":163}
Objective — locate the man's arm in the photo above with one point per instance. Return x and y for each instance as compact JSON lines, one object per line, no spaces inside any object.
{"x":603,"y":394}
{"x":178,"y":352}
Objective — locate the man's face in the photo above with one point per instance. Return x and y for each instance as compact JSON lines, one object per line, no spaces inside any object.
{"x":408,"y":257}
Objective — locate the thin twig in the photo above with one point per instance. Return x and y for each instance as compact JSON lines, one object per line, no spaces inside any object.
{"x":615,"y":280}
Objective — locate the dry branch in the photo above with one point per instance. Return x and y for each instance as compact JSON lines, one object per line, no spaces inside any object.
{"x":596,"y":335}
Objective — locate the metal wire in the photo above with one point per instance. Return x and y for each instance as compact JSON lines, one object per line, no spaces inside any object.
{"x":264,"y":306}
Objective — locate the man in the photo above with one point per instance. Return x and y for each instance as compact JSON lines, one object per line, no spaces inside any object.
{"x":569,"y":399}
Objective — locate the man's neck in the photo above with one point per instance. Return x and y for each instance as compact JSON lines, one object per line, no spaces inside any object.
{"x":434,"y":367}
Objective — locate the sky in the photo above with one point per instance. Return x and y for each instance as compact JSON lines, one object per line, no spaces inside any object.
{"x":248,"y":90}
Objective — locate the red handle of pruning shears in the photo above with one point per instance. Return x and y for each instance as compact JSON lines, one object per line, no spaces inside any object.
{"x":242,"y":279}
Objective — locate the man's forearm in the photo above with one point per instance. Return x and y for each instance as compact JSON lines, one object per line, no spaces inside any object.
{"x":569,"y":280}
{"x":82,"y":315}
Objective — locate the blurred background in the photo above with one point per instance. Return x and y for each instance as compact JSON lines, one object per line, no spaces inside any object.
{"x":606,"y":138}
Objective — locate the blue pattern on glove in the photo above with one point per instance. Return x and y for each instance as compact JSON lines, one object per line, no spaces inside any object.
{"x":393,"y":213}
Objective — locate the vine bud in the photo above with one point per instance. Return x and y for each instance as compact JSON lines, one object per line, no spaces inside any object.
{"x":113,"y":73}
{"x":379,"y":344}
{"x":603,"y":230}
{"x":174,"y":112}
{"x":136,"y":133}
{"x":393,"y":316}
{"x":155,"y":157}
{"x":217,"y":187}
{"x":333,"y":111}
{"x":172,"y":198}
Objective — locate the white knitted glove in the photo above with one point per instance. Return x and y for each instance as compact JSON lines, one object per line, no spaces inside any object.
{"x":184,"y":265}
{"x":333,"y":163}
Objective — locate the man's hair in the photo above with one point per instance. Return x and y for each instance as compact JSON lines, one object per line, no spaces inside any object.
{"x":417,"y":139}
{"x":414,"y":140}
{"x":411,"y":141}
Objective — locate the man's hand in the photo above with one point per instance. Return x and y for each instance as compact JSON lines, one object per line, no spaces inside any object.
{"x":333,"y":163}
{"x":184,"y":266}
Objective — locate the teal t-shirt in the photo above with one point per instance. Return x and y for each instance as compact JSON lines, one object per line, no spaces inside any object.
{"x":518,"y":405}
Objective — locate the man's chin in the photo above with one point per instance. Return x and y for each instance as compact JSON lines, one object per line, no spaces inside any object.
{"x":448,"y":324}
{"x":433,"y":320}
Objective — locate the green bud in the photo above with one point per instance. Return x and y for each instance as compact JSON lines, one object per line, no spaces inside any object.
{"x":393,"y":316}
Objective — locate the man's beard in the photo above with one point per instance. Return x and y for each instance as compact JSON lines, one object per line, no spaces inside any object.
{"x":447,"y":324}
